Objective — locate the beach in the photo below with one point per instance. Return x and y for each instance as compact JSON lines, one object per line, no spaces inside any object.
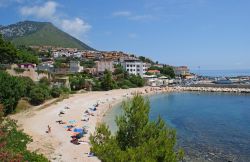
{"x":56,"y":145}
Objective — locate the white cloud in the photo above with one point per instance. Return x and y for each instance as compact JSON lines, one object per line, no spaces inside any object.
{"x":142,"y":17}
{"x":122,"y":13}
{"x":76,"y":26}
{"x":130,"y":16}
{"x":48,"y":11}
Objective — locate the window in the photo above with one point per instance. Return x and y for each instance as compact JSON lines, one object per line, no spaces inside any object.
{"x":138,"y":69}
{"x":127,"y":69}
{"x":138,"y":66}
{"x":127,"y":65}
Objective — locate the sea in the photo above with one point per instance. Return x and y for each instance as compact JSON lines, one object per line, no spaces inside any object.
{"x":209,"y":126}
{"x":222,"y":73}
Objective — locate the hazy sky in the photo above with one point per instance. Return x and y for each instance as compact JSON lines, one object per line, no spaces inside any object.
{"x":212,"y":34}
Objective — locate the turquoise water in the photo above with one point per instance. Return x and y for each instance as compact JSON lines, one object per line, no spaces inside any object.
{"x":210,"y":126}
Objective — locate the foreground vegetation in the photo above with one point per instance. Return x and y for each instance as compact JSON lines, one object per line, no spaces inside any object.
{"x":12,"y":89}
{"x":13,"y":143}
{"x":137,"y":138}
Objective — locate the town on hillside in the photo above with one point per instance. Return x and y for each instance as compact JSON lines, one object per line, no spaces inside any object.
{"x":57,"y":63}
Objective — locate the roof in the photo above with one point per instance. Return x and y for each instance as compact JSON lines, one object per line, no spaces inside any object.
{"x":153,"y":71}
{"x":163,"y":77}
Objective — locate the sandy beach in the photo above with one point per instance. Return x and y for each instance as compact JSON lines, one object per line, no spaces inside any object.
{"x":56,"y":146}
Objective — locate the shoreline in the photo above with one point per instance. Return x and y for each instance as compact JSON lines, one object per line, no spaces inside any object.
{"x":56,"y":146}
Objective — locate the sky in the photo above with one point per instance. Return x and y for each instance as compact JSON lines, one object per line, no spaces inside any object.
{"x":205,"y":34}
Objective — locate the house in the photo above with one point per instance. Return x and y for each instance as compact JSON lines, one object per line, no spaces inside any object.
{"x":26,"y":70}
{"x":91,"y":71}
{"x":181,"y":70}
{"x":74,"y":67}
{"x":27,"y":66}
{"x":46,"y":66}
{"x":155,"y":72}
{"x":134,"y":66}
{"x":159,"y":65}
{"x":61,"y":81}
{"x":154,"y":81}
{"x":103,"y":65}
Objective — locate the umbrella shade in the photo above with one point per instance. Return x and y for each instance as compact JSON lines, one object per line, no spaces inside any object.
{"x":79,"y":130}
{"x":72,"y":121}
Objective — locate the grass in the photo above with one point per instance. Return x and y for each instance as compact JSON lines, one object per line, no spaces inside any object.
{"x":22,"y":105}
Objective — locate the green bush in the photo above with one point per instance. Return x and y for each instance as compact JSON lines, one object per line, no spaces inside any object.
{"x":39,"y":94}
{"x":65,"y":90}
{"x":125,"y":87}
{"x":19,"y":70}
{"x":56,"y":92}
{"x":11,"y":90}
{"x":137,"y":80}
{"x":14,"y":142}
{"x":45,"y":81}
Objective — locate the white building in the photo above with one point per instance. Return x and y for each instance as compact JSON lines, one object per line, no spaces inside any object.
{"x":75,"y":67}
{"x":135,"y":67}
{"x":103,"y":65}
{"x":77,"y":54}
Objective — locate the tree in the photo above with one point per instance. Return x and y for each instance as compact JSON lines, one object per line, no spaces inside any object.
{"x":165,"y":70}
{"x":107,"y":82}
{"x":26,"y":56}
{"x":55,"y":92}
{"x":88,"y":64}
{"x":137,"y":80}
{"x":8,"y":53}
{"x":39,"y":94}
{"x":137,"y":138}
{"x":45,"y":81}
{"x":11,"y":90}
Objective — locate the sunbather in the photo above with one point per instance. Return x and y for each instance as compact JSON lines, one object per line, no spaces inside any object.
{"x":66,"y":107}
{"x":75,"y":141}
{"x":61,"y":122}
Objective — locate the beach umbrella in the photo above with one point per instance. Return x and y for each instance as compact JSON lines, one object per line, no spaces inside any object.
{"x":78,"y":130}
{"x":72,"y":121}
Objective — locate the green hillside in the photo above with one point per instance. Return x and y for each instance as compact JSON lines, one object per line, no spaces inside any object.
{"x":40,"y":33}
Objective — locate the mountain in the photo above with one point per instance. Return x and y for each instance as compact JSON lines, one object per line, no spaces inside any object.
{"x":31,"y":33}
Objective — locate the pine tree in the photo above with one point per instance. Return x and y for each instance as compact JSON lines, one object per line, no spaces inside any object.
{"x":137,"y":138}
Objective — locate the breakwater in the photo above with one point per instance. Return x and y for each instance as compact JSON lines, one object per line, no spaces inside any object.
{"x":214,"y":89}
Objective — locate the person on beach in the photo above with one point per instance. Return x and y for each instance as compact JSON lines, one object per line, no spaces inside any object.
{"x":49,"y":129}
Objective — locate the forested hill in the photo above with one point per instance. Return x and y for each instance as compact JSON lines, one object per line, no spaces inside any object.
{"x":31,"y":33}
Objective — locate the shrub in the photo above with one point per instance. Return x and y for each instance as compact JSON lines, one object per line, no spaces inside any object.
{"x":125,"y":87}
{"x":39,"y":94}
{"x":56,"y":92}
{"x":45,"y":81}
{"x":19,"y":70}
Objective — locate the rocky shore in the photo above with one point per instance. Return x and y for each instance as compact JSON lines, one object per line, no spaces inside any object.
{"x":213,"y":89}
